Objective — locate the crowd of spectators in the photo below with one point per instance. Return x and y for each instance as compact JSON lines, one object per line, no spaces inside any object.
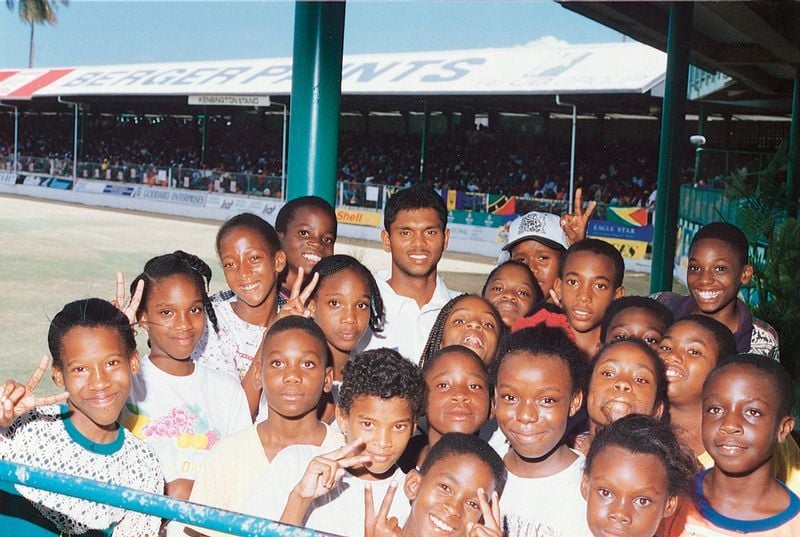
{"x":490,"y":160}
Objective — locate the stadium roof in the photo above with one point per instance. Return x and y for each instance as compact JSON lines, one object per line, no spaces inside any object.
{"x":755,"y":43}
{"x":547,"y":68}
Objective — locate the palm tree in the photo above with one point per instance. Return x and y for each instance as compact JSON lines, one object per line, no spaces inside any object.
{"x":36,"y":12}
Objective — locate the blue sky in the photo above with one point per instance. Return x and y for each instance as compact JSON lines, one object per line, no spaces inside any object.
{"x":97,"y":33}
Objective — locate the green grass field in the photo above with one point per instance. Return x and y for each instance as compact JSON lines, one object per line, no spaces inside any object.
{"x":53,"y":253}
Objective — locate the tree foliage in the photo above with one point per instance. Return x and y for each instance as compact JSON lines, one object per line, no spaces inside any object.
{"x":763,"y":215}
{"x":35,"y":12}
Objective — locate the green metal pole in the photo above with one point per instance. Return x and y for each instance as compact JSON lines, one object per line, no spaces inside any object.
{"x":423,"y":148}
{"x":204,"y":119}
{"x":793,"y":170}
{"x":672,"y":130}
{"x":316,"y":99}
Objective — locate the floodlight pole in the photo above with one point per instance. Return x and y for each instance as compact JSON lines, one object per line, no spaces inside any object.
{"x":74,"y":137}
{"x":16,"y":132}
{"x":571,"y":151}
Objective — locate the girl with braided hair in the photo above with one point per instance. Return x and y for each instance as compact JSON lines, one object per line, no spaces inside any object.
{"x":179,"y":407}
{"x":468,"y":320}
{"x":345,"y":302}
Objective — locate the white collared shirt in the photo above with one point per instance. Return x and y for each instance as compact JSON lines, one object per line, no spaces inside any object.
{"x":407,"y":325}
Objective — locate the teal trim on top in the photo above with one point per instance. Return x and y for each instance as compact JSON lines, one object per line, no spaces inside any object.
{"x":101,"y":449}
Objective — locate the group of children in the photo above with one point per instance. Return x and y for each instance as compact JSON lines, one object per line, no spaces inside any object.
{"x":312,"y":390}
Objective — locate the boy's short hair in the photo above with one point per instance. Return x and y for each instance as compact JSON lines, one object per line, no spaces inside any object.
{"x":658,"y":309}
{"x":773,"y":370}
{"x":658,"y":367}
{"x":639,"y":433}
{"x":544,"y":341}
{"x":381,"y":373}
{"x":298,"y":322}
{"x":723,"y":337}
{"x":727,"y":233}
{"x":286,"y":213}
{"x":419,"y":196}
{"x":467,"y":444}
{"x":450,"y":349}
{"x":598,"y":247}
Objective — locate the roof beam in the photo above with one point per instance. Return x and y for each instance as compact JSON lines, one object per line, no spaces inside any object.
{"x":747,"y":21}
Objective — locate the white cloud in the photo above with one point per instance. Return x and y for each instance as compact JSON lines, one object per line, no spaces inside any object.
{"x":546,"y":41}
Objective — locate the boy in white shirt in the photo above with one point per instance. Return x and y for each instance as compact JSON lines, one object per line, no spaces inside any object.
{"x":379,"y":401}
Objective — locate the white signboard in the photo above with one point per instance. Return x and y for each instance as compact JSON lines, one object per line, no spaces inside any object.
{"x":230,"y":100}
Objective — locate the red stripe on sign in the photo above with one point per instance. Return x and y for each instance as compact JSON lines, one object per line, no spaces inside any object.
{"x":26,"y":91}
{"x":7,"y":74}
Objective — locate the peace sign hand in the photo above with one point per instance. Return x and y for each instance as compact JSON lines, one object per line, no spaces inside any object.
{"x":136,"y":298}
{"x":491,"y":517}
{"x":575,"y":223}
{"x":296,"y":305}
{"x":325,"y":471}
{"x":380,"y":524}
{"x":17,"y":398}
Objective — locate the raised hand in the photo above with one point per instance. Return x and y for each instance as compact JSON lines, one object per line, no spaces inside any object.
{"x":491,"y":526}
{"x":380,"y":524}
{"x":575,"y":223}
{"x":296,"y":305}
{"x":325,"y":471}
{"x":136,"y":298}
{"x":17,"y":398}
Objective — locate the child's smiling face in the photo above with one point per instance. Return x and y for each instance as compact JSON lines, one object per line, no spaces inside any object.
{"x":473,"y":324}
{"x":96,"y":371}
{"x":741,"y":421}
{"x":512,"y":292}
{"x":627,"y":494}
{"x":251,"y":269}
{"x":457,"y":394}
{"x":534,"y":397}
{"x":714,"y":275}
{"x":624,"y":381}
{"x":310,"y":235}
{"x":689,"y":352}
{"x":586,"y":289}
{"x":445,"y":499}
{"x":174,"y":318}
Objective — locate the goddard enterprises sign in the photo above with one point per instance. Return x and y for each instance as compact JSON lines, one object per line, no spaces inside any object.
{"x":229,"y":100}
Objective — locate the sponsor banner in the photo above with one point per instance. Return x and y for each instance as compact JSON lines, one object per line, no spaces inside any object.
{"x":35,"y":180}
{"x":236,"y":204}
{"x":628,"y":249}
{"x":359,"y":218}
{"x":473,"y":218}
{"x":8,"y":178}
{"x":59,"y":183}
{"x":604,"y":228}
{"x":181,"y":197}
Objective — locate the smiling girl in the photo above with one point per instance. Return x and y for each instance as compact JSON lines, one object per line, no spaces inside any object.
{"x":94,"y":358}
{"x":180,"y":408}
{"x":467,"y":320}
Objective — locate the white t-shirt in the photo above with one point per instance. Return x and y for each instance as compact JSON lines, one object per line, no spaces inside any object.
{"x":341,"y":511}
{"x":183,"y":417}
{"x":234,"y":467}
{"x":46,"y":438}
{"x":407,"y":326}
{"x":232,"y":349}
{"x":546,"y":506}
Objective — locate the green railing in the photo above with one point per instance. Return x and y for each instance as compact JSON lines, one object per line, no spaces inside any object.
{"x":148,"y":503}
